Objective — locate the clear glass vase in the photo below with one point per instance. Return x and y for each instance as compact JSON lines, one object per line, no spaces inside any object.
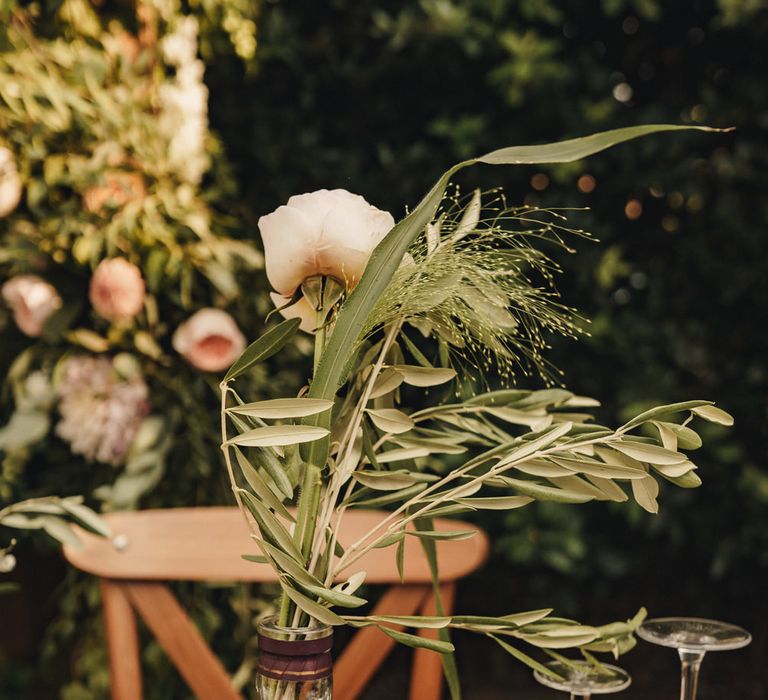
{"x":294,"y":662}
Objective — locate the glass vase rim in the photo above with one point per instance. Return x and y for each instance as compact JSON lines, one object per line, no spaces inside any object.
{"x":269,"y":627}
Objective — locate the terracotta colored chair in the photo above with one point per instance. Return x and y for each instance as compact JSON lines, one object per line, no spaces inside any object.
{"x":206,"y":544}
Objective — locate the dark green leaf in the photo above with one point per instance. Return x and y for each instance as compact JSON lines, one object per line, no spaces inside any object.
{"x":266,"y":346}
{"x":413,"y":640}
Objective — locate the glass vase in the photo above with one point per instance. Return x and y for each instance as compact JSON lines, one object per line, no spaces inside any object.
{"x":294,"y":662}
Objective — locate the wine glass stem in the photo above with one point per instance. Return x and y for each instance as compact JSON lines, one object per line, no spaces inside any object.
{"x":690,"y":663}
{"x":580,"y":696}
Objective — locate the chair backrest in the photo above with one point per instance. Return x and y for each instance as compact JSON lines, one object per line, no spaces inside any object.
{"x":207,"y":544}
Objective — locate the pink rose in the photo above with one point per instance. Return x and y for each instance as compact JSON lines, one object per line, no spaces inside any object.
{"x":119,"y":188}
{"x":209,"y":340}
{"x":117,"y":289}
{"x":32,"y":301}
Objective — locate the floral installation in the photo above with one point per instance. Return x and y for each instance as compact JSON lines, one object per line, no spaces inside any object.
{"x":120,"y":279}
{"x":119,"y":221}
{"x":409,"y":322}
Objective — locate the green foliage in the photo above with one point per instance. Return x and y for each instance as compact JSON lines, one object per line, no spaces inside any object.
{"x":672,"y":294}
{"x":380,"y":98}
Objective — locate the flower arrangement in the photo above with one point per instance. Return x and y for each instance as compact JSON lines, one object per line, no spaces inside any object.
{"x":386,"y":422}
{"x":120,"y":278}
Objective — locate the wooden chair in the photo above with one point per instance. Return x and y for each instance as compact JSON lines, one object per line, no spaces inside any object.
{"x":206,"y":544}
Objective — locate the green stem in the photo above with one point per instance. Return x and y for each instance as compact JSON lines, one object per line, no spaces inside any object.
{"x":309,"y":493}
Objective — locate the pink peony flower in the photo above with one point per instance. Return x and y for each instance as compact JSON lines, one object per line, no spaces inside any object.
{"x":117,"y":289}
{"x":32,"y":301}
{"x":120,"y":187}
{"x":209,"y":340}
{"x":100,"y":412}
{"x":328,"y":232}
{"x":10,"y":182}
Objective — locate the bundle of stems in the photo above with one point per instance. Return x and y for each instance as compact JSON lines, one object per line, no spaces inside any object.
{"x":395,"y":415}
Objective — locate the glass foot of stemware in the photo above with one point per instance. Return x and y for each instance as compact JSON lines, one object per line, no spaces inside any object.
{"x":582,"y":679}
{"x":693,"y":637}
{"x":694,"y":634}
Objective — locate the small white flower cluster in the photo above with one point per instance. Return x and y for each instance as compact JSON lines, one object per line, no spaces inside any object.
{"x":184,"y":103}
{"x":37,"y":393}
{"x":10,"y":182}
{"x":100,"y":411}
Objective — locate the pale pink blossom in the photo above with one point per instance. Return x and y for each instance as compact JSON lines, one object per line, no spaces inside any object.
{"x":117,"y":289}
{"x":328,"y":232}
{"x":119,"y":188}
{"x":101,"y":412}
{"x":11,"y":184}
{"x":209,"y":340}
{"x":32,"y":301}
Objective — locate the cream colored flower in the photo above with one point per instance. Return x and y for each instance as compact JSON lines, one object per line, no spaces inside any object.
{"x":117,"y":289}
{"x":32,"y":301}
{"x":301,"y":309}
{"x":328,"y":232}
{"x":209,"y":340}
{"x":10,"y":182}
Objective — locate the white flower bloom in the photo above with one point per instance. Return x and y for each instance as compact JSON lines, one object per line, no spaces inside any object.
{"x":180,"y":46}
{"x":36,"y":394}
{"x":7,"y":563}
{"x":328,"y":232}
{"x":11,"y":184}
{"x":183,"y":117}
{"x":100,"y":413}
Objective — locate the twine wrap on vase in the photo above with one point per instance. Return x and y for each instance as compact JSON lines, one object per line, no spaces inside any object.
{"x":295,"y":660}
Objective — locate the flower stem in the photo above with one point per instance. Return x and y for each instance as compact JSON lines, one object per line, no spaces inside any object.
{"x":309,"y":493}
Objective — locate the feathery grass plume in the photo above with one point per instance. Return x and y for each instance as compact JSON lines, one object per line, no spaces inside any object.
{"x":476,"y":280}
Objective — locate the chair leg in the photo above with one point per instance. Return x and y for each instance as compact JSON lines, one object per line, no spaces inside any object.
{"x":122,"y":642}
{"x":369,"y":647}
{"x":181,"y":640}
{"x":427,"y":671}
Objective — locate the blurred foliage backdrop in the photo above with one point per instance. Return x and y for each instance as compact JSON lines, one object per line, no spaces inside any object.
{"x":379,"y":97}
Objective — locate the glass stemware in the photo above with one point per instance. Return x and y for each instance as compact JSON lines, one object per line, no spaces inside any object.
{"x":583,"y":680}
{"x":693,"y":637}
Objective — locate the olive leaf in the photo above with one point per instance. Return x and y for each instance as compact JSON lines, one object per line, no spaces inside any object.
{"x":267,"y":345}
{"x":282,"y":408}
{"x":386,"y":258}
{"x":278,"y":435}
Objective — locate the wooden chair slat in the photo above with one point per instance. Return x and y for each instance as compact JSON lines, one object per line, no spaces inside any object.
{"x":427,"y":669}
{"x":370,"y":646}
{"x":195,"y":544}
{"x":181,"y":640}
{"x":206,"y":544}
{"x":122,"y":642}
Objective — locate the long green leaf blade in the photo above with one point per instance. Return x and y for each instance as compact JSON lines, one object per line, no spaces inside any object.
{"x":266,"y":346}
{"x":386,"y":258}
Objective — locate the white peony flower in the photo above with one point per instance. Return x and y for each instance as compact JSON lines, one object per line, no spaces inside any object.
{"x":100,"y":412}
{"x":32,"y":300}
{"x":11,"y":184}
{"x":209,"y":340}
{"x":328,"y":232}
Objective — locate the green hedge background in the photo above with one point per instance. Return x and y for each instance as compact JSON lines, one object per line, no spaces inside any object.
{"x":378,"y":98}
